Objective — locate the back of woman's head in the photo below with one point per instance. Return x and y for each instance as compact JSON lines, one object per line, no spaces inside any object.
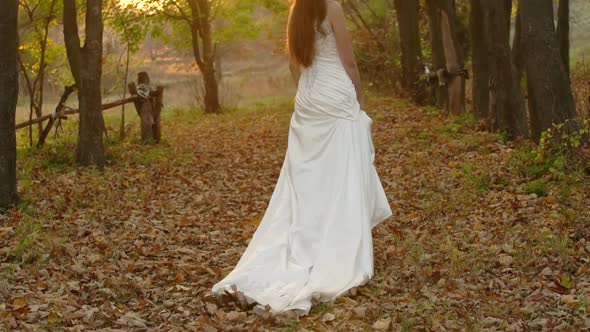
{"x":306,"y":18}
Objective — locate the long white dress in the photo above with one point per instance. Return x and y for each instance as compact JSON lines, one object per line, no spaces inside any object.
{"x":315,"y":239}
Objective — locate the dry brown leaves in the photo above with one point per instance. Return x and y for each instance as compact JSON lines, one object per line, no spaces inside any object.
{"x":139,"y":245}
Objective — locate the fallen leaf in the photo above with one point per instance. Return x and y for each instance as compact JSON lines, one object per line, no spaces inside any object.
{"x":53,"y":317}
{"x":360,"y":311}
{"x":569,"y":300}
{"x":328,"y":317}
{"x":382,"y":324}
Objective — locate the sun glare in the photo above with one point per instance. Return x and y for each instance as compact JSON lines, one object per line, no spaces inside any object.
{"x":136,"y":3}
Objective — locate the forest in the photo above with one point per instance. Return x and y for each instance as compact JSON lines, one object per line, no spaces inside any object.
{"x":141,"y":140}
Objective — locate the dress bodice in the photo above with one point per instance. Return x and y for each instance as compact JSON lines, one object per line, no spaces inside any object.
{"x":325,"y":85}
{"x":325,"y":44}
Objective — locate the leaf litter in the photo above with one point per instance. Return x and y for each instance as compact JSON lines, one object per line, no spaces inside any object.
{"x":138,"y":246}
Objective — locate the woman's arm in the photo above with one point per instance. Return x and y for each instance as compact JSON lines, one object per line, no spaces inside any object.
{"x":293,"y":64}
{"x":295,"y":70}
{"x":344,"y":43}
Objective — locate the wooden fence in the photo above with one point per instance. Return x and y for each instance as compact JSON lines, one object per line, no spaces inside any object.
{"x":148,"y":103}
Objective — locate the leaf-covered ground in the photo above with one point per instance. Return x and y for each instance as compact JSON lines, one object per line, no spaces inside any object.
{"x":483,"y":238}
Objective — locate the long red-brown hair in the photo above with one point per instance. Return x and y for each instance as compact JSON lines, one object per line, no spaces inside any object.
{"x":306,"y":18}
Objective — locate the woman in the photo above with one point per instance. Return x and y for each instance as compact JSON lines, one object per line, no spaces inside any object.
{"x":315,"y":240}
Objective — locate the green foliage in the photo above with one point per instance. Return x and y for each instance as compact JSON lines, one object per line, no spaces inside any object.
{"x":30,"y":51}
{"x":242,"y":21}
{"x":38,"y":52}
{"x":231,"y":20}
{"x":131,"y":24}
{"x":424,"y":135}
{"x":238,"y":19}
{"x":430,"y":110}
{"x":538,"y":187}
{"x":451,"y":128}
{"x":458,"y":124}
{"x":565,"y":146}
{"x":481,"y":181}
{"x":562,"y":155}
{"x":28,"y":233}
{"x":553,"y":244}
{"x":501,"y":182}
{"x":321,"y":308}
{"x":53,"y":157}
{"x":567,"y":281}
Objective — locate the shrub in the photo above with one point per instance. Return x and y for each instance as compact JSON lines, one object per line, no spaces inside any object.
{"x":566,"y":147}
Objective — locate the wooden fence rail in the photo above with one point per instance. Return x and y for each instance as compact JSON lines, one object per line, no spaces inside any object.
{"x":70,"y":111}
{"x":148,"y":104}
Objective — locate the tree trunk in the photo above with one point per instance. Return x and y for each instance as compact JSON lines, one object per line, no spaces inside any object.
{"x":71,"y":37}
{"x":86,"y":66}
{"x":438,"y":54}
{"x":8,"y":99}
{"x":211,"y":90}
{"x":518,"y":56}
{"x":563,"y":33}
{"x":43,"y":62}
{"x":454,"y":58}
{"x":481,"y":64}
{"x":90,"y":145}
{"x":550,"y":95}
{"x":202,"y":36}
{"x":408,"y":17}
{"x":507,"y":107}
{"x":218,"y":63}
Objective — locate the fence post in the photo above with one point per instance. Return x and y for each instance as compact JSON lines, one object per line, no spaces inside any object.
{"x":148,"y":106}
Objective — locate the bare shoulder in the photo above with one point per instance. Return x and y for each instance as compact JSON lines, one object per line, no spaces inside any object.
{"x":334,"y":7}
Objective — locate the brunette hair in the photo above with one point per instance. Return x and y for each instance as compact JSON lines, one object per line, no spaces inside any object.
{"x":306,"y":18}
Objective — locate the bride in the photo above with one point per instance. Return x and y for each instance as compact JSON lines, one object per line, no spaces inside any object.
{"x":315,"y":241}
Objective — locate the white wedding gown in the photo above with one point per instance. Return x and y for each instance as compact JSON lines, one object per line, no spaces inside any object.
{"x":315,"y":239}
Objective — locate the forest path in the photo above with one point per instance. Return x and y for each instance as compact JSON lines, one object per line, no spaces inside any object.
{"x":140,"y":244}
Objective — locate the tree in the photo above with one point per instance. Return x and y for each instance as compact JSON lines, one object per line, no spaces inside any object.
{"x":201,"y":18}
{"x":196,"y":18}
{"x":408,"y":17}
{"x":506,"y":102}
{"x":197,"y":15}
{"x":480,"y":59}
{"x":132,"y":28}
{"x":550,"y":96}
{"x":563,"y":32}
{"x":33,"y":55}
{"x":437,"y":49}
{"x":8,"y":99}
{"x":518,"y":56}
{"x":454,"y":62}
{"x":86,"y":66}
